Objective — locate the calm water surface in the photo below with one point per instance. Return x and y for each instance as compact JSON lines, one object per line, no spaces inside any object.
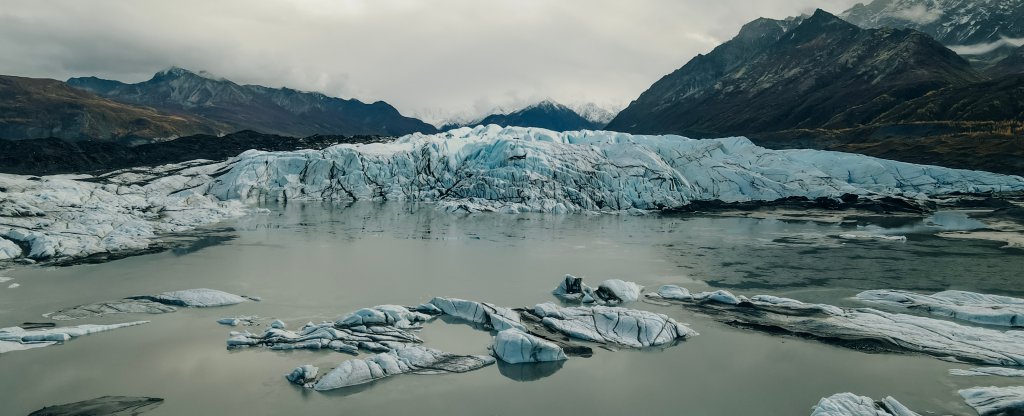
{"x":318,"y":261}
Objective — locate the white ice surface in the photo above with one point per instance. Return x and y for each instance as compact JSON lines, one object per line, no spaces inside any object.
{"x":200,"y":298}
{"x":849,"y":404}
{"x":991,"y":401}
{"x":527,"y":169}
{"x":965,"y":306}
{"x":987,"y":371}
{"x":619,"y":326}
{"x":76,"y":216}
{"x":515,"y":347}
{"x":481,"y":313}
{"x":17,"y":338}
{"x":413,"y":359}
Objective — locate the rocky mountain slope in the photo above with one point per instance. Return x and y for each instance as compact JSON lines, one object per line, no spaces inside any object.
{"x":251,"y":107}
{"x":32,"y":108}
{"x":824,"y":72}
{"x":983,"y":30}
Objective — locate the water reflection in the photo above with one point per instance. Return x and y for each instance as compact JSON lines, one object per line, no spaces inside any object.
{"x":529,"y":371}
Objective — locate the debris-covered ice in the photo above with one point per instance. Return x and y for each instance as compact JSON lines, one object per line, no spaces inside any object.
{"x":610,"y":325}
{"x":863,"y":327}
{"x":995,"y":401}
{"x":965,"y":306}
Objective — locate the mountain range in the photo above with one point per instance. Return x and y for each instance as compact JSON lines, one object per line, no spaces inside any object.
{"x":821,"y":82}
{"x":281,"y":111}
{"x":546,"y":114}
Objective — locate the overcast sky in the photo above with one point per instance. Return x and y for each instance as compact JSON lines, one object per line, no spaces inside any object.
{"x":426,"y":57}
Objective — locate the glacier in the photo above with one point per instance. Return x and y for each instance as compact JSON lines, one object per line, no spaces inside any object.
{"x":995,"y":401}
{"x":515,"y":169}
{"x":849,"y":404}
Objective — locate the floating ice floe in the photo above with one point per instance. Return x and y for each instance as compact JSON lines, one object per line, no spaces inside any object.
{"x":245,"y":320}
{"x":303,"y":375}
{"x":17,"y":338}
{"x":106,"y":405}
{"x":75,"y":216}
{"x":875,"y":237}
{"x":162,"y":303}
{"x":995,"y":401}
{"x":987,"y":371}
{"x":965,"y":306}
{"x":862,"y":327}
{"x":516,"y":169}
{"x":610,"y":325}
{"x":371,"y":329}
{"x":514,"y":346}
{"x":610,"y":292}
{"x":849,"y":404}
{"x":411,"y":360}
{"x":480,"y":313}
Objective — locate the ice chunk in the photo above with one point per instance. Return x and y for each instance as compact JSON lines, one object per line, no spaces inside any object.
{"x":240,"y":321}
{"x":479,"y":313}
{"x":393,"y":315}
{"x":572,"y":288}
{"x":9,"y":250}
{"x":199,"y":298}
{"x":17,"y":338}
{"x":303,"y":374}
{"x":613,"y":291}
{"x":610,"y":325}
{"x":849,"y":404}
{"x":994,"y":401}
{"x":876,"y":237}
{"x":514,"y":346}
{"x":965,"y":306}
{"x":878,"y":329}
{"x":414,"y":359}
{"x":373,"y":329}
{"x":619,"y":291}
{"x":674,"y":292}
{"x":987,"y":371}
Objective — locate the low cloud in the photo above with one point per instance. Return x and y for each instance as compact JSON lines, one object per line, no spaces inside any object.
{"x":919,"y":14}
{"x":424,"y":56}
{"x":983,"y":48}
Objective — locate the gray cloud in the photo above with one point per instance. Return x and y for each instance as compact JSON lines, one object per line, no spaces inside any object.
{"x":427,"y":57}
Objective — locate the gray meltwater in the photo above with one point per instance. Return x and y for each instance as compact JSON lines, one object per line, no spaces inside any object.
{"x":317,"y":262}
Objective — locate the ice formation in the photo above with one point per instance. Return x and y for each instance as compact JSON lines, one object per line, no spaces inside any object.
{"x":995,"y":401}
{"x":609,"y":325}
{"x":849,"y":404}
{"x":17,"y":338}
{"x":67,"y":216}
{"x":413,"y":359}
{"x":868,"y":327}
{"x":486,"y":314}
{"x":106,"y":405}
{"x":965,"y":306}
{"x":987,"y":371}
{"x":379,"y":329}
{"x":514,"y":346}
{"x":610,"y":292}
{"x":162,"y":303}
{"x":527,"y":169}
{"x":303,"y":375}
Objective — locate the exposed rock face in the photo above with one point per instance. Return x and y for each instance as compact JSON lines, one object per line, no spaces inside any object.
{"x":17,"y":338}
{"x":38,"y":108}
{"x":863,"y":328}
{"x":995,"y":401}
{"x":514,"y":346}
{"x":413,"y":360}
{"x":965,"y":306}
{"x":517,"y":169}
{"x":251,"y":107}
{"x":616,"y":326}
{"x":849,"y":404}
{"x":103,"y":406}
{"x":821,"y":73}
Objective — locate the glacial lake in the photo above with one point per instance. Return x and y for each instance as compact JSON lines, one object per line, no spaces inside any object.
{"x":314,"y":262}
